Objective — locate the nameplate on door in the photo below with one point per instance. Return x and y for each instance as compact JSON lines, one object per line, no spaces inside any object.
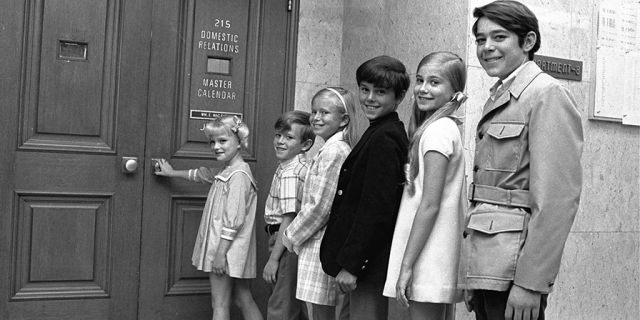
{"x":210,"y":115}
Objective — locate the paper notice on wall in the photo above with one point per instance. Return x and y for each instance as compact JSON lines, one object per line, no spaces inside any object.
{"x":610,"y":70}
{"x":617,"y":80}
{"x":631,"y":115}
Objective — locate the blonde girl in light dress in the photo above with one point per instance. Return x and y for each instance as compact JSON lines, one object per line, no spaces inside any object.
{"x":226,"y":244}
{"x":423,"y":265}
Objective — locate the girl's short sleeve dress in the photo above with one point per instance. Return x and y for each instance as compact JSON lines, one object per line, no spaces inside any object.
{"x":435,"y":272}
{"x":231,"y":204}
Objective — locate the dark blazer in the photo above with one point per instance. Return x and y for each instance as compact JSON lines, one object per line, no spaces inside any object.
{"x":363,"y":215}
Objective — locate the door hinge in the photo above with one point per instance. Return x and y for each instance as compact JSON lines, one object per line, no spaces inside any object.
{"x":290,"y":5}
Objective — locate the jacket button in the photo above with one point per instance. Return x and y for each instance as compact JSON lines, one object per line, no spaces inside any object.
{"x":480,"y":135}
{"x":339,"y":192}
{"x":465,"y":234}
{"x":476,"y":168}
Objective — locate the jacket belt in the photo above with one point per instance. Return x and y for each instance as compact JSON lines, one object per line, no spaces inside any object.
{"x":495,"y":195}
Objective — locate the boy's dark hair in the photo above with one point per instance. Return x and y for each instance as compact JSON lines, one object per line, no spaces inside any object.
{"x":385,"y":72}
{"x":285,"y":121}
{"x":513,"y":16}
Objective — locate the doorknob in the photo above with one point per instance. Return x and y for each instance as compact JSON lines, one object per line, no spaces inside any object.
{"x":155,"y":164}
{"x":129,"y":164}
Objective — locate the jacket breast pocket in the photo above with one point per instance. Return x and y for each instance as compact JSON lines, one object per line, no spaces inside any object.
{"x":506,"y":145}
{"x":496,"y":238}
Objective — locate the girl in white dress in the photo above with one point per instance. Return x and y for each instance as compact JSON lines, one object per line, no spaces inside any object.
{"x":423,"y":265}
{"x":226,"y":243}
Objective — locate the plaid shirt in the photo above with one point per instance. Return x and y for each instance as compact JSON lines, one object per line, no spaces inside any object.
{"x":319,"y":189}
{"x":304,"y":234}
{"x":285,"y":194}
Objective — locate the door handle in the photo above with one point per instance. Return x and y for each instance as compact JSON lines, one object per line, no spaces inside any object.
{"x":155,"y":164}
{"x":129,"y":164}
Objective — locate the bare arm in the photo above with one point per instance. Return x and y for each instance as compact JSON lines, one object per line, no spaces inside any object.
{"x":167,"y":170}
{"x":220,"y":260}
{"x":271,"y":268}
{"x":435,"y":171}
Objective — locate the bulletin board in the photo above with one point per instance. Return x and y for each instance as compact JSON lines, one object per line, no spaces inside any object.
{"x":617,"y":64}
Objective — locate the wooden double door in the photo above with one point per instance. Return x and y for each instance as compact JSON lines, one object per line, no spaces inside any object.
{"x":91,"y":92}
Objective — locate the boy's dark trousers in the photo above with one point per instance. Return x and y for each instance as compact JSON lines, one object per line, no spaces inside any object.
{"x":282,"y":304}
{"x":490,"y":305}
{"x":366,"y":302}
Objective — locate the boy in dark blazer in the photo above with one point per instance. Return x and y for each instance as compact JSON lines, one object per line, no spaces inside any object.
{"x":356,"y":244}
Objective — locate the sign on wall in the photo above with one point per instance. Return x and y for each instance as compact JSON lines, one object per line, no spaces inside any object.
{"x":560,"y":68}
{"x":617,"y":65}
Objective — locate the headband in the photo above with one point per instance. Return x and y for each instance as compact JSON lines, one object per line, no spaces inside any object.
{"x":341,"y":99}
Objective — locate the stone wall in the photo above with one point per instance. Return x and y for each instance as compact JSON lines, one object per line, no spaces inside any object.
{"x":600,"y":272}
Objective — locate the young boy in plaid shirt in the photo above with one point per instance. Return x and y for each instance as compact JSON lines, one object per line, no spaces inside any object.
{"x":293,"y":137}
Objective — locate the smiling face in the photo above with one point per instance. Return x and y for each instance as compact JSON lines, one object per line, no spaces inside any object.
{"x":498,"y":50}
{"x":377,"y":102}
{"x":288,"y":143}
{"x":432,"y":90}
{"x":326,"y":118}
{"x":224,"y":145}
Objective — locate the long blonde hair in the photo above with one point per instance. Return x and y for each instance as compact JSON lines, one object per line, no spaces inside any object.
{"x":346,"y":103}
{"x":453,"y":70}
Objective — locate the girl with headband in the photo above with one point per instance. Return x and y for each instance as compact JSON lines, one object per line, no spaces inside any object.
{"x":332,"y":111}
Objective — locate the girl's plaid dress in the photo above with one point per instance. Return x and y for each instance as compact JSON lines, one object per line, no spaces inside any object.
{"x":306,"y":230}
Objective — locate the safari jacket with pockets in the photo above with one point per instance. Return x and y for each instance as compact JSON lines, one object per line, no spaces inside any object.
{"x":527,"y":184}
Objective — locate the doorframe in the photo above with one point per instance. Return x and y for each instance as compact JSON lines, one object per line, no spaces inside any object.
{"x":291,"y":55}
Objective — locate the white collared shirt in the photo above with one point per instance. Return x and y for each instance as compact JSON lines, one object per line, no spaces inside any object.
{"x":500,"y":83}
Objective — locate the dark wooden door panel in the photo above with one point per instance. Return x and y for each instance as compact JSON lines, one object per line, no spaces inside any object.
{"x":212,"y":41}
{"x":70,"y":75}
{"x":208,"y":57}
{"x":74,"y":103}
{"x":83,"y":87}
{"x":61,"y":248}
